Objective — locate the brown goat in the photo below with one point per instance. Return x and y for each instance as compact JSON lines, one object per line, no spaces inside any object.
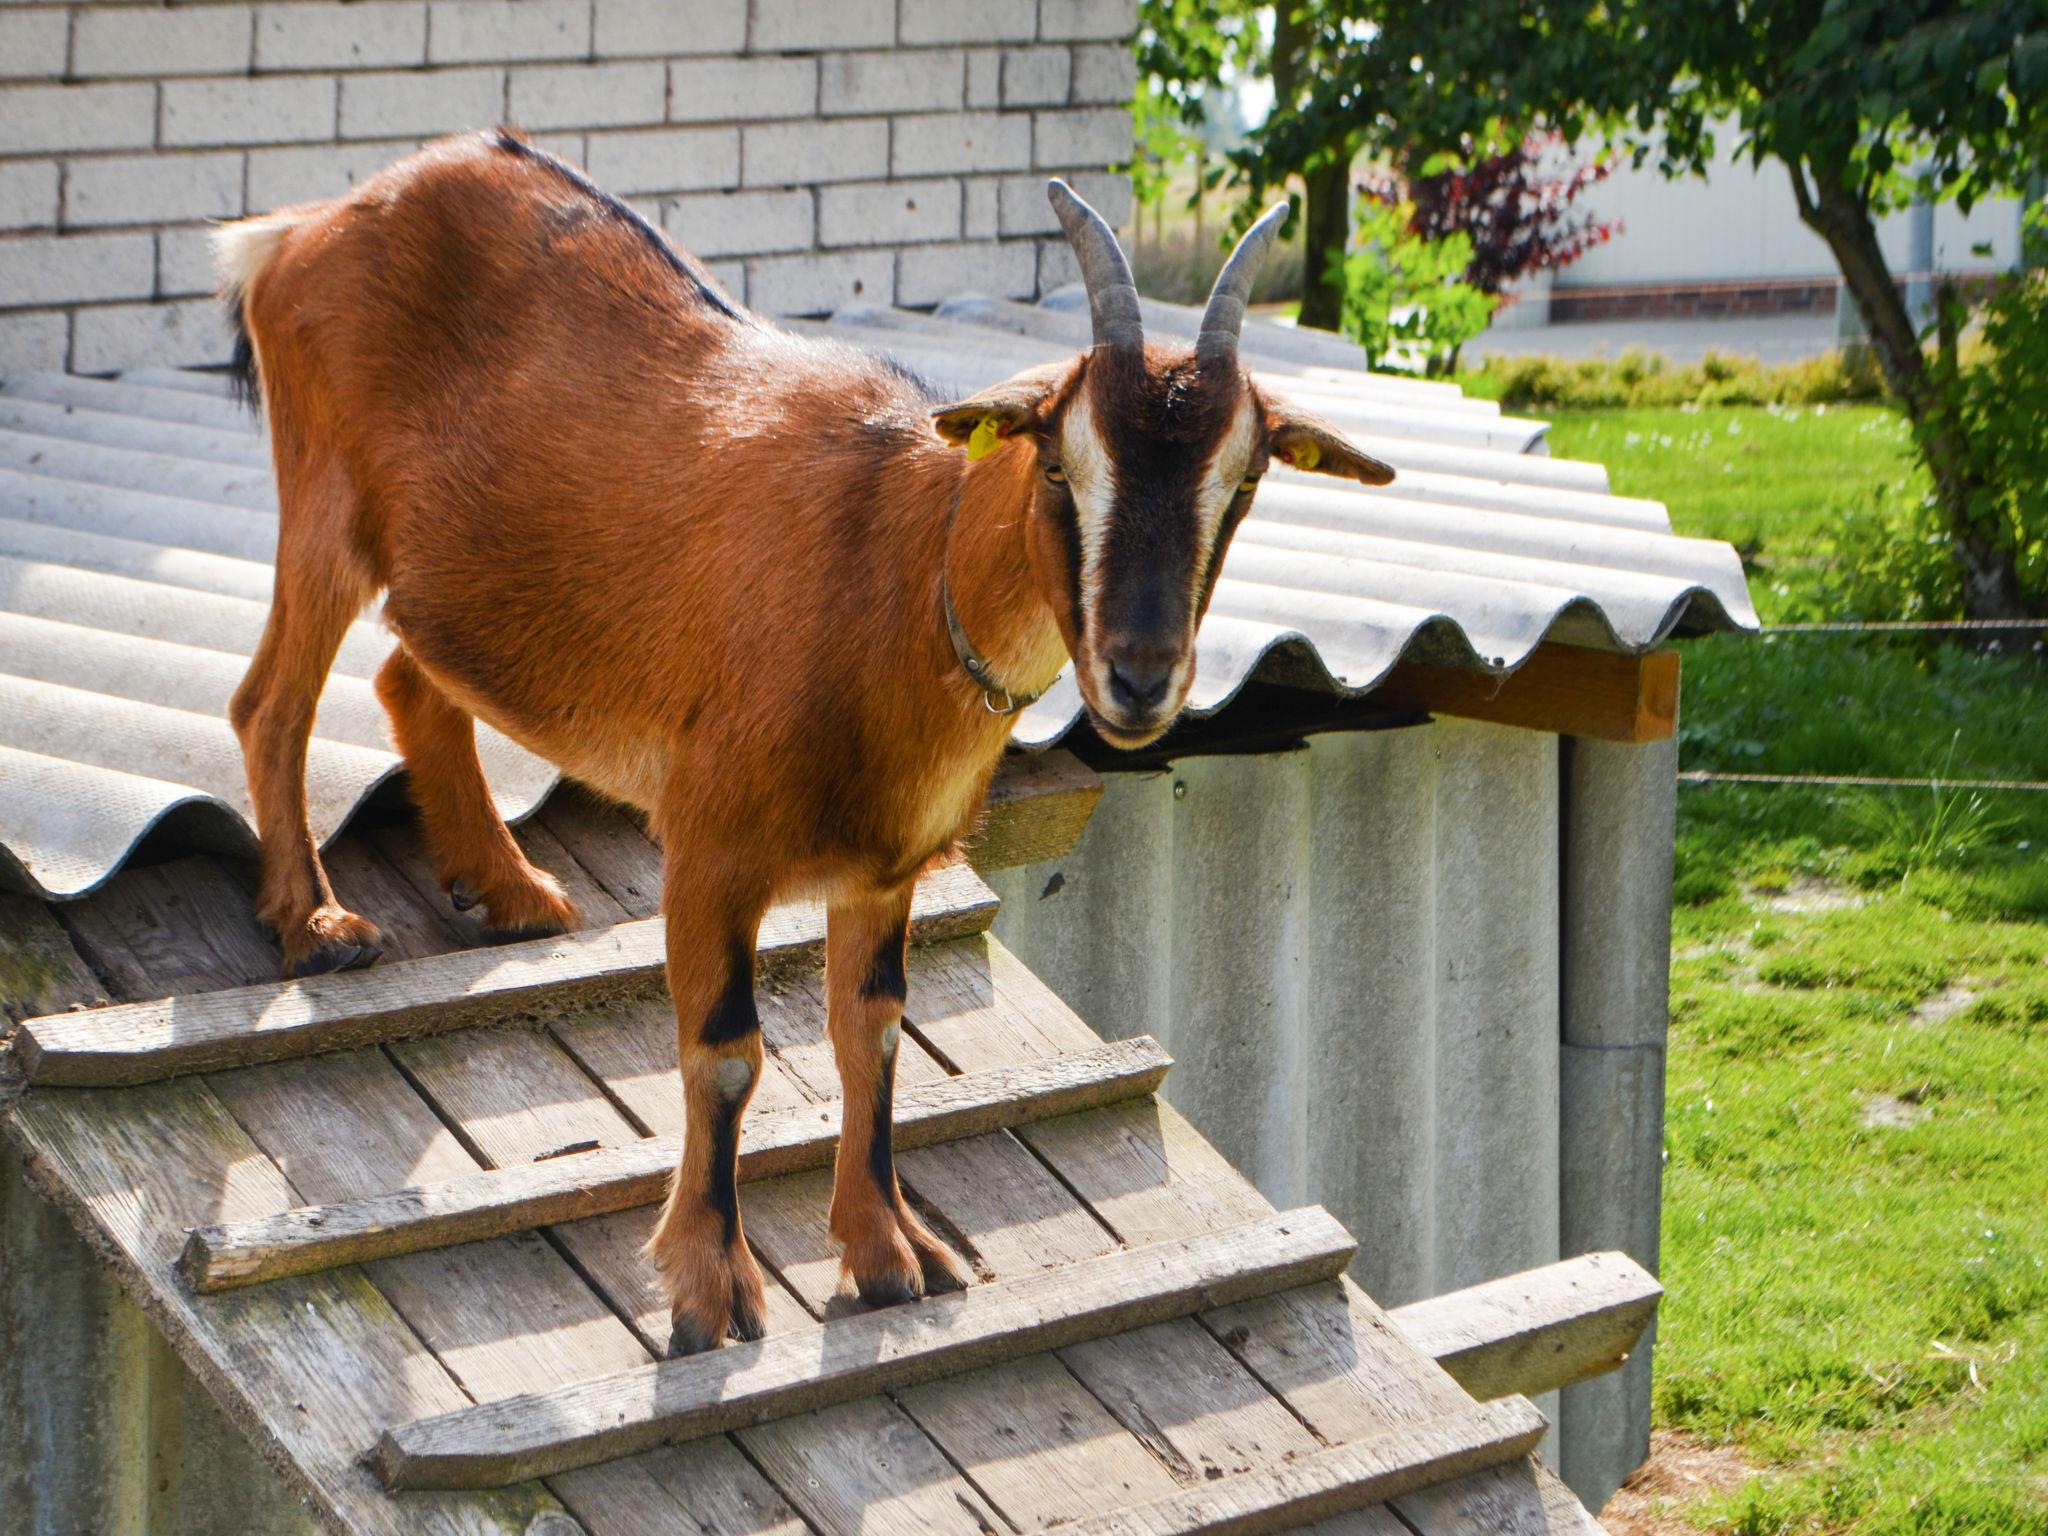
{"x":729,"y":576}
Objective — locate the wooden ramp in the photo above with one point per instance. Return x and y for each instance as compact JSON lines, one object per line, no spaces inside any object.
{"x":392,"y":1220}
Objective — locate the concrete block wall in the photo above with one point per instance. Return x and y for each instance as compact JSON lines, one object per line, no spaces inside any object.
{"x":814,"y":152}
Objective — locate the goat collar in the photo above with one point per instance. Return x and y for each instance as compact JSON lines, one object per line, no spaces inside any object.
{"x":997,"y":699}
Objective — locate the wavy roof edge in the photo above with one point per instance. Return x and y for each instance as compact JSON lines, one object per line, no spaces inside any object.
{"x":113,"y":491}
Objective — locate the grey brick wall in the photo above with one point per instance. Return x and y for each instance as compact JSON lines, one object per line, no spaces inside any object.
{"x":814,"y":152}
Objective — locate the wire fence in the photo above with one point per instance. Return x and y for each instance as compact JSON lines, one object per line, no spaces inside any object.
{"x":1859,"y":781}
{"x":1904,"y":626}
{"x":1712,"y":776}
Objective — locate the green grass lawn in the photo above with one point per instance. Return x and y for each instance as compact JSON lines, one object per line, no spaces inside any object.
{"x":1856,"y":1193}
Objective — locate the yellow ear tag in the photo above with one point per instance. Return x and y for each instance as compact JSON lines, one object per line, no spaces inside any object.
{"x":984,"y":440}
{"x":1307,"y":454}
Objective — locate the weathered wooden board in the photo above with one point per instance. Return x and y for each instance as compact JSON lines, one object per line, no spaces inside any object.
{"x":1040,"y":1443}
{"x":502,"y":1315}
{"x":1338,"y":1480}
{"x":561,"y":1188}
{"x":1539,"y":1330}
{"x":501,"y":1443}
{"x":539,"y":979}
{"x":514,"y":1096}
{"x":1327,"y":1350}
{"x":312,"y":1368}
{"x":40,"y":971}
{"x":1037,"y":805}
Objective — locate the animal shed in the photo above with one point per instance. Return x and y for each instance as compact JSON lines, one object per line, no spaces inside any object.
{"x":134,"y":584}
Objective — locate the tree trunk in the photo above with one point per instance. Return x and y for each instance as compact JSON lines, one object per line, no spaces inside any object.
{"x":1833,"y":210}
{"x":1326,"y":192}
{"x":1325,"y":231}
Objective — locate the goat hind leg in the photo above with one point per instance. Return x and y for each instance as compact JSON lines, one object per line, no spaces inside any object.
{"x":475,"y":852}
{"x":319,"y":590}
{"x":889,"y":1255}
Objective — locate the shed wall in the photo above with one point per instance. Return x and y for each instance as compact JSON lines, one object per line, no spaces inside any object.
{"x":814,"y":154}
{"x":103,"y":1431}
{"x":1357,"y":953}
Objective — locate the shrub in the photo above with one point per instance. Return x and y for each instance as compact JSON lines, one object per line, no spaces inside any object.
{"x":1638,"y":378}
{"x":1402,"y":289}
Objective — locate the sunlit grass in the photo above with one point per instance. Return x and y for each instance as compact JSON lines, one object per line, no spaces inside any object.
{"x":1856,"y":1192}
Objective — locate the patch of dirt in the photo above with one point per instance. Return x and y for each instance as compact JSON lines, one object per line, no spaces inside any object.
{"x":1881,"y":1110}
{"x":1681,"y":1471}
{"x":1806,"y":894}
{"x":1944,"y":1005}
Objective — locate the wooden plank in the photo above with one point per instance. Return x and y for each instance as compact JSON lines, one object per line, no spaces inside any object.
{"x":861,"y":1466}
{"x":1566,"y":690}
{"x":40,"y":971}
{"x":1520,"y":1499}
{"x":570,"y":1426}
{"x":310,"y":1368}
{"x":1194,"y":1407}
{"x":865,"y":1469}
{"x":142,"y":1042}
{"x":1028,"y":1434}
{"x":1339,"y":1480}
{"x":566,"y":1188}
{"x":1040,"y":1444}
{"x":513,"y":1096}
{"x":1037,"y":804}
{"x":608,"y":841}
{"x":510,"y":1314}
{"x":1327,"y":1351}
{"x":1539,"y":1330}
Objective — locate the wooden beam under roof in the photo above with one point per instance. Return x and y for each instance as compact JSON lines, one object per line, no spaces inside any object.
{"x":1566,"y":690}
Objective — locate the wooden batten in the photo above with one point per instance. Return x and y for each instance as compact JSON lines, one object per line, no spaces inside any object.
{"x":538,"y":979}
{"x":1037,"y":805}
{"x":1539,"y":1330}
{"x":560,"y":1189}
{"x":1338,"y":1481}
{"x":1567,"y":690}
{"x":541,"y":1434}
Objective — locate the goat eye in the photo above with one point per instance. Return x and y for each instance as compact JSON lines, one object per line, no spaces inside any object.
{"x":1055,"y":474}
{"x":1249,"y":483}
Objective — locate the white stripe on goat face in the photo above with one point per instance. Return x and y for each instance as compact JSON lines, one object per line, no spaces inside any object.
{"x":1091,"y":482}
{"x":1220,"y":481}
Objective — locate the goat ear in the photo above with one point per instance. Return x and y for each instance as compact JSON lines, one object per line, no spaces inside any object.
{"x":1018,"y":404}
{"x":1306,"y":441}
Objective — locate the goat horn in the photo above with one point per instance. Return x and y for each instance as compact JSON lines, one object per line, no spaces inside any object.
{"x":1217,"y":340}
{"x":1112,"y":296}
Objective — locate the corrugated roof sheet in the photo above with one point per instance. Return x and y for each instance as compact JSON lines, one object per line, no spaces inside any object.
{"x":137,"y":526}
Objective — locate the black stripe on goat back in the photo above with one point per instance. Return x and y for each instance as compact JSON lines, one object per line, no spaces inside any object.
{"x":680,"y":262}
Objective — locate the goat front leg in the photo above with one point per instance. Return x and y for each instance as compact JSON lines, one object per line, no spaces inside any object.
{"x":700,"y":1246}
{"x":888,"y":1253}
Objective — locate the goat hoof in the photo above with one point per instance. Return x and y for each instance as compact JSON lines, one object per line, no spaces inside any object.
{"x":941,"y":1278}
{"x":746,"y":1325}
{"x":330,"y":957}
{"x":885,"y":1290}
{"x":686,"y":1336}
{"x":462,"y":895}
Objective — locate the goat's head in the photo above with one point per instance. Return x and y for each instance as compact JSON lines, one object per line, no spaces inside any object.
{"x":1148,"y":458}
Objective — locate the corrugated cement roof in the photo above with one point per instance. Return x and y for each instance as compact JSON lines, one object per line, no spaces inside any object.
{"x":137,"y":526}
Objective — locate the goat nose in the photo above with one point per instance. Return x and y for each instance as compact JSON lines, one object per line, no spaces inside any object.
{"x":1138,"y":683}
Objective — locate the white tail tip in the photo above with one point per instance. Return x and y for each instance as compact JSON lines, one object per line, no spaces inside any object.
{"x":243,"y":249}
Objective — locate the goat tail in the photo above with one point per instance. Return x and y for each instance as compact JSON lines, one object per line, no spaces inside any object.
{"x":242,"y":251}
